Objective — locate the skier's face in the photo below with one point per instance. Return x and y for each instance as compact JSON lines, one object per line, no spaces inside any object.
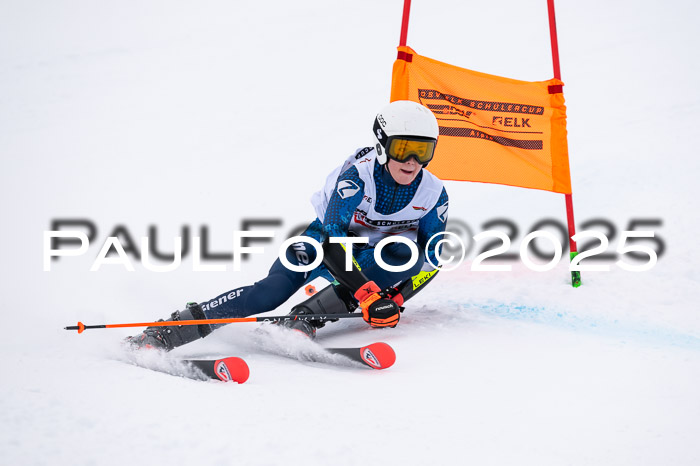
{"x":404,"y":173}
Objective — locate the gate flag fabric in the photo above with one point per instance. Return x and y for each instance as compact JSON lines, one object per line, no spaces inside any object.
{"x":492,"y":129}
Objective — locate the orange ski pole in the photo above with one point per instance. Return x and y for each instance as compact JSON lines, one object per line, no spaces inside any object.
{"x":322,"y":317}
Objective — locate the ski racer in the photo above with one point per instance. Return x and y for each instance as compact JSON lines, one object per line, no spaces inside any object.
{"x":378,"y":191}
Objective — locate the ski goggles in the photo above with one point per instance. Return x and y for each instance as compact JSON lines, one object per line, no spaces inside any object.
{"x":402,"y":148}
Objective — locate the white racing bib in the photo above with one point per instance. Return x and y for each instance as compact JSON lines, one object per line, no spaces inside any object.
{"x":366,"y":221}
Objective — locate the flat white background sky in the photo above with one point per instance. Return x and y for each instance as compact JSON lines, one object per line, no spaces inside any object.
{"x":207,"y":113}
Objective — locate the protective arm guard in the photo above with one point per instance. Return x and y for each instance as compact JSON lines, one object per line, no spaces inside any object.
{"x":334,"y":260}
{"x":409,"y":287}
{"x":378,"y":309}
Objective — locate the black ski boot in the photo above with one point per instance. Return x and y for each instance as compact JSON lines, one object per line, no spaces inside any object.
{"x":167,"y":338}
{"x":334,"y":299}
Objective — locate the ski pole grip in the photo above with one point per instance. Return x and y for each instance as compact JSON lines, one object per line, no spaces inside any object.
{"x":80,"y":327}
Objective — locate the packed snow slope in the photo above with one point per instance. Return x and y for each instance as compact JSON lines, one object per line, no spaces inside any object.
{"x":207,"y":114}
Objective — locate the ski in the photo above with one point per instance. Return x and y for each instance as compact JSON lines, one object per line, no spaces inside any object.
{"x":377,"y":355}
{"x":296,"y":344}
{"x":228,"y":369}
{"x":231,"y":369}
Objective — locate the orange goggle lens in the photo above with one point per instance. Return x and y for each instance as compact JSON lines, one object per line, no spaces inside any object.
{"x":403,"y":149}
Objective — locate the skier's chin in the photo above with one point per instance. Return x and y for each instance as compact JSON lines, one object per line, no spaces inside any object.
{"x":403,"y":176}
{"x":403,"y":173}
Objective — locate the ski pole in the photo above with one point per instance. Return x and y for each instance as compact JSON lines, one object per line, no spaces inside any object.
{"x":322,"y":317}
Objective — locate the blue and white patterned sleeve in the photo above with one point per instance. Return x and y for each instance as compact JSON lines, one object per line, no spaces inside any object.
{"x":432,"y":223}
{"x":347,"y":195}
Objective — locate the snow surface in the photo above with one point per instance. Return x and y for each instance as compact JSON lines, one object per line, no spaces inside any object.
{"x":207,"y":113}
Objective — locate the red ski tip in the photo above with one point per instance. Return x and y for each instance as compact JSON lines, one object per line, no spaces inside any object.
{"x":378,"y":355}
{"x":232,"y":370}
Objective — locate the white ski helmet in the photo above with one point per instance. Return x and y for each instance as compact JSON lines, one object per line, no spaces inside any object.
{"x":405,"y":129}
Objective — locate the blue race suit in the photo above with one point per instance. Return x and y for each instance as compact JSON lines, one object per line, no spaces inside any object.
{"x":281,"y":283}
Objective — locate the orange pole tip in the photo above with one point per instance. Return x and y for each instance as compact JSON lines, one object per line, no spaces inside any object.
{"x":310,"y":290}
{"x":81,"y":327}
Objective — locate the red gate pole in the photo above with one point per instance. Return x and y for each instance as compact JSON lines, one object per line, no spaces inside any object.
{"x":404,"y":22}
{"x":575,"y":276}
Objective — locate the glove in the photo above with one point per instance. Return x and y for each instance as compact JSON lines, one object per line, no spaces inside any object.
{"x":379,"y":308}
